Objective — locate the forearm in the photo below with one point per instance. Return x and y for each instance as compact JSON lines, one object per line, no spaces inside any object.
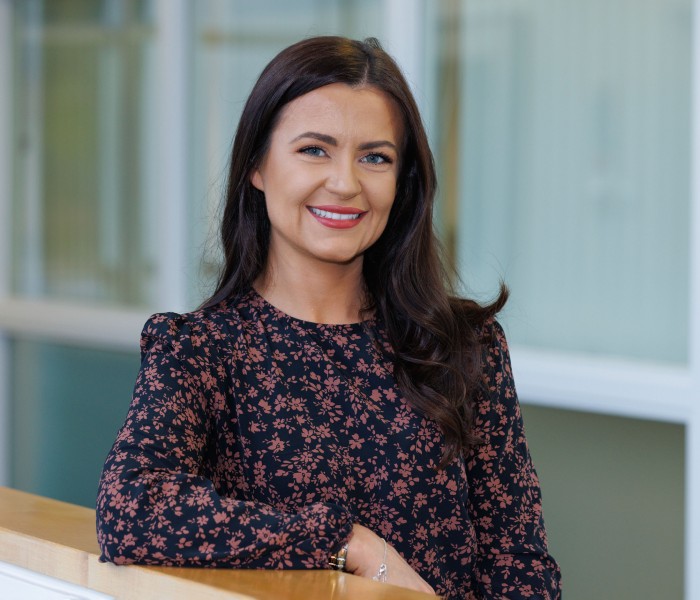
{"x":179,"y":519}
{"x":518,"y":577}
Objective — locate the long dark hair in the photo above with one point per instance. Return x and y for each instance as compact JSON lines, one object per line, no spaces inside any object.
{"x":434,"y":334}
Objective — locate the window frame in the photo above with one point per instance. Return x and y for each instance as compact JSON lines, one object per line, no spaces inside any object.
{"x":6,"y":106}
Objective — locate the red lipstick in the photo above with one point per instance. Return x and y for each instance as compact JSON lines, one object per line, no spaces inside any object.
{"x":337,"y":217}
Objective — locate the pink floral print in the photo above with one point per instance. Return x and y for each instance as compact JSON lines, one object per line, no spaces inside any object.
{"x":256,"y":440}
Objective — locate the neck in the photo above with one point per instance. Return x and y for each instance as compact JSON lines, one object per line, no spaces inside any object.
{"x":327,"y":293}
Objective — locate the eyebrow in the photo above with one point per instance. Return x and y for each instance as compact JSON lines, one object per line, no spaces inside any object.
{"x":331,"y":141}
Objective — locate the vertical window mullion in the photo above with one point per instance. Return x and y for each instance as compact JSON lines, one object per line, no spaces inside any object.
{"x":171,"y":92}
{"x":31,"y":280}
{"x":692,"y":457}
{"x":694,"y":275}
{"x":111,"y":144}
{"x":404,"y":39}
{"x":692,"y":503}
{"x":6,"y":137}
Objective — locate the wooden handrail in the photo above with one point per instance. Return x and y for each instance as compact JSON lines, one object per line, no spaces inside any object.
{"x":58,"y":539}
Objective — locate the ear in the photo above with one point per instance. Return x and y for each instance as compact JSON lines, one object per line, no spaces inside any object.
{"x":257,"y":180}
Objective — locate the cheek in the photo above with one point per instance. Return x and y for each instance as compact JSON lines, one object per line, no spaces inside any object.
{"x":389,"y":197}
{"x":388,"y":203}
{"x":382,"y":213}
{"x":383,"y":194}
{"x":286,"y":193}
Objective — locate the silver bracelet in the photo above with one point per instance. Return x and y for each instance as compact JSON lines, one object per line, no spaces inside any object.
{"x":383,"y":571}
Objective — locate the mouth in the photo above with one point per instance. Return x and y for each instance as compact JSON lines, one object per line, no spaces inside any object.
{"x":337,"y":217}
{"x":346,"y":214}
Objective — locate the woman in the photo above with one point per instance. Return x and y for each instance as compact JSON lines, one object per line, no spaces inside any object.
{"x":332,"y":404}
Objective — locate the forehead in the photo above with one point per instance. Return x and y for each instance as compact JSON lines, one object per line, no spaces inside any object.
{"x":338,"y":109}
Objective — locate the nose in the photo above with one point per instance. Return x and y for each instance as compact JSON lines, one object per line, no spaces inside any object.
{"x":343,"y":180}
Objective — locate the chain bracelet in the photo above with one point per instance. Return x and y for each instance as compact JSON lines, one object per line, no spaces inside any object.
{"x":383,"y":571}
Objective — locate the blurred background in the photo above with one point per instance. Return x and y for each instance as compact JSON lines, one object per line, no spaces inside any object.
{"x":565,"y":134}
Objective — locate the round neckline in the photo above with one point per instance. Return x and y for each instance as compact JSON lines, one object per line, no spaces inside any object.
{"x":308,"y":324}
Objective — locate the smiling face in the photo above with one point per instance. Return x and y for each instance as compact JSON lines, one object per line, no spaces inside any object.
{"x":329,"y":176}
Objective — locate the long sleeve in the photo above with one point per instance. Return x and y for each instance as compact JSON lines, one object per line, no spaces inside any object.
{"x":504,"y":498}
{"x":157,"y":503}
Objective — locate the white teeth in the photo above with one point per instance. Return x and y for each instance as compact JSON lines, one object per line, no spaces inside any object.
{"x":336,"y":216}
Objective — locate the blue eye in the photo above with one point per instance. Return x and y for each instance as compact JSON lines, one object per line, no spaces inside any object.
{"x":313,"y":151}
{"x":377,"y":158}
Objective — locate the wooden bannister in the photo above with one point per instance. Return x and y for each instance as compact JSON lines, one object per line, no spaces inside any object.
{"x":58,"y":540}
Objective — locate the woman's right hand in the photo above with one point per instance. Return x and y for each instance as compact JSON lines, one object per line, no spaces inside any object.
{"x":366,"y":553}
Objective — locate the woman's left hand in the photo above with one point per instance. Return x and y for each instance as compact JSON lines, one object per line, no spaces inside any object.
{"x":366,"y":554}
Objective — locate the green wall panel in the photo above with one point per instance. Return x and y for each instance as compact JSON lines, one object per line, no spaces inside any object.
{"x":613,"y":494}
{"x":68,"y":405}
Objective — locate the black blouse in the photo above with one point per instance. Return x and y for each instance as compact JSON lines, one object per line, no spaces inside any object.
{"x":256,"y":440}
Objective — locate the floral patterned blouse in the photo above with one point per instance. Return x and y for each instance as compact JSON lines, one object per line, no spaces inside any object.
{"x":256,"y":440}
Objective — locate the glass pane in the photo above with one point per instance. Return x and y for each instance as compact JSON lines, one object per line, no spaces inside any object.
{"x":68,"y":404}
{"x":574,"y":154}
{"x":233,"y":41}
{"x":80,"y":89}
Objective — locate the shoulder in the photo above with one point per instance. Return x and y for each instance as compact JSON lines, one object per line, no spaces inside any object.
{"x":192,"y":333}
{"x":496,"y":400}
{"x":494,"y":344}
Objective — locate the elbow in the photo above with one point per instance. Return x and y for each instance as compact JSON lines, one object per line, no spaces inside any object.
{"x":118,"y":547}
{"x":117,"y":535}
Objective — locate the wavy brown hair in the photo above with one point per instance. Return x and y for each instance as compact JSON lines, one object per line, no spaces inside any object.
{"x":434,"y":334}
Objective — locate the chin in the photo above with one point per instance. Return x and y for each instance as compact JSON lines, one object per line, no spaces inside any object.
{"x":336,"y":254}
{"x":339,"y":258}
